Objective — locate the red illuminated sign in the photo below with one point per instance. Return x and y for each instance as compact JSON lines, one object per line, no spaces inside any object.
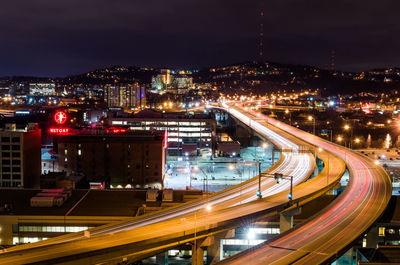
{"x":59,"y":130}
{"x":116,"y":130}
{"x":60,"y":117}
{"x":165,"y":139}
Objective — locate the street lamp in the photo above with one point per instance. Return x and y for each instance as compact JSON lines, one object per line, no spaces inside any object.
{"x":290,"y":116}
{"x":208,"y":209}
{"x":348,"y":127}
{"x":311,"y":118}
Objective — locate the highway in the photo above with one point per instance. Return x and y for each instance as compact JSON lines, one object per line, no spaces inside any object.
{"x":338,"y":225}
{"x":300,"y":165}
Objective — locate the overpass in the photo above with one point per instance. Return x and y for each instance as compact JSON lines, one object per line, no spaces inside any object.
{"x":143,"y":236}
{"x":322,"y":238}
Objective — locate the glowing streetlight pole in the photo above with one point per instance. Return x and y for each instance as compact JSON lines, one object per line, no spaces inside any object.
{"x":311,"y":118}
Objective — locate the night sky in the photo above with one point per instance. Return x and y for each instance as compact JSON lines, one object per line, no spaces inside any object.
{"x":61,"y":37}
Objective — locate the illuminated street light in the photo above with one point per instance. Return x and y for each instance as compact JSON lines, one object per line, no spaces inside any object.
{"x":208,"y":207}
{"x":265,"y":145}
{"x":311,"y":118}
{"x":251,"y":234}
{"x":231,"y":167}
{"x":357,"y":140}
{"x":346,"y":127}
{"x":320,"y":149}
{"x":376,"y":162}
{"x":339,"y":139}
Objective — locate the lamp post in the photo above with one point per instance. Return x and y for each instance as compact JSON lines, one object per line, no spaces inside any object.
{"x":290,"y":116}
{"x":340,"y":139}
{"x":348,"y":127}
{"x":311,"y":118}
{"x":194,"y":254}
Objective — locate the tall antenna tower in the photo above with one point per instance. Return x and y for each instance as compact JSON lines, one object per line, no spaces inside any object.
{"x":261,"y":45}
{"x":333,"y":61}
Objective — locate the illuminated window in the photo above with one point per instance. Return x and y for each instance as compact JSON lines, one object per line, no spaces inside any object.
{"x":65,"y":152}
{"x":381,"y":231}
{"x":79,"y":152}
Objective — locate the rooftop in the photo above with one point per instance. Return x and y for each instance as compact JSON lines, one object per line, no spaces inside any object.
{"x":95,"y":203}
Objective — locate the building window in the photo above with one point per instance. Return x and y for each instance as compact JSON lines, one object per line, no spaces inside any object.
{"x":6,"y":184}
{"x":6,"y":176}
{"x":16,"y":169}
{"x":381,"y":231}
{"x":15,"y":139}
{"x":16,"y":162}
{"x":44,"y":164}
{"x":65,"y":152}
{"x":79,"y":152}
{"x":16,"y":154}
{"x":16,"y":184}
{"x":5,"y":162}
{"x":5,"y":154}
{"x":16,"y":147}
{"x":5,"y":139}
{"x":5,"y":147}
{"x":16,"y":176}
{"x":6,"y":169}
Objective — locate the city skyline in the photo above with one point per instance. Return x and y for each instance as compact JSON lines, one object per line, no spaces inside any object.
{"x":64,"y":38}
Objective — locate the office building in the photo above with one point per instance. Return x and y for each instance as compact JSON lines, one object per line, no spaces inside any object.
{"x":168,"y":81}
{"x":20,"y":156}
{"x":183,"y":129}
{"x":114,"y":157}
{"x":42,"y":89}
{"x":132,"y":96}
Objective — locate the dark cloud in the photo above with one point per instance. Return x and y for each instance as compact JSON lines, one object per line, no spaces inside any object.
{"x":56,"y":38}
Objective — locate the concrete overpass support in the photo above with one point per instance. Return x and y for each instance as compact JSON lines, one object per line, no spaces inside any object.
{"x":162,"y":258}
{"x":372,"y":238}
{"x":286,"y":219}
{"x":214,"y":247}
{"x":198,"y":252}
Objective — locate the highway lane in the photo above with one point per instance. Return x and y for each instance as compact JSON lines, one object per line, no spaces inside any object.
{"x":300,"y":165}
{"x":339,"y":224}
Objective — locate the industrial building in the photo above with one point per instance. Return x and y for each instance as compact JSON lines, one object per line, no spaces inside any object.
{"x":113,"y":157}
{"x":188,"y":134}
{"x":21,"y":222}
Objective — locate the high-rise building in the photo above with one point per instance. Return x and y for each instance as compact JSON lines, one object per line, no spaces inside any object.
{"x":114,"y":156}
{"x":20,"y":156}
{"x":125,"y":95}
